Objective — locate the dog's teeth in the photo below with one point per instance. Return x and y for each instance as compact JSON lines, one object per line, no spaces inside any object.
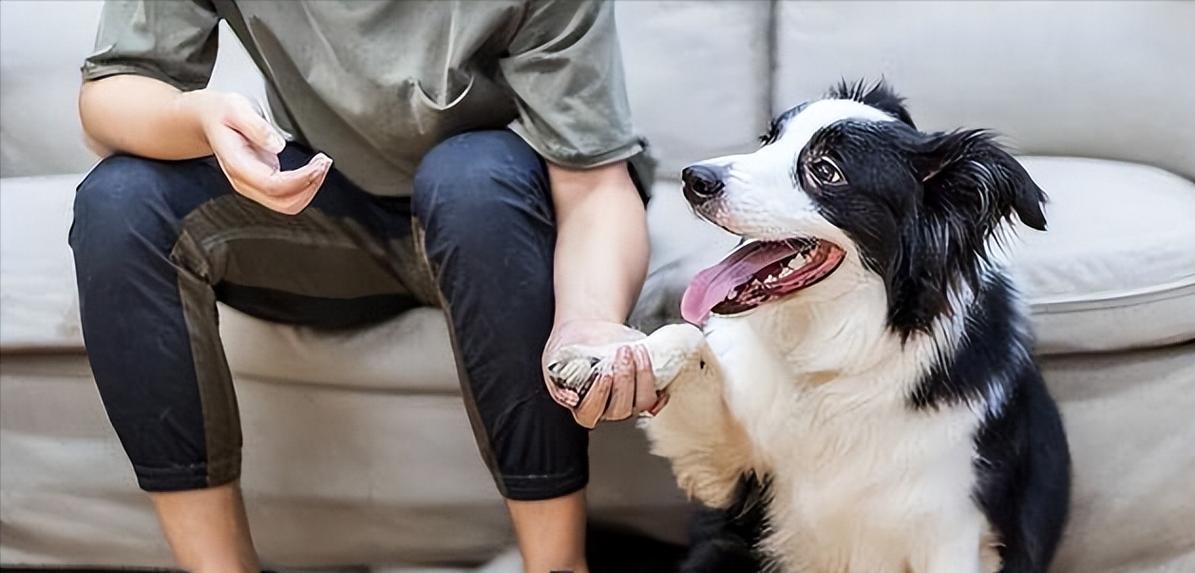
{"x":786,"y":272}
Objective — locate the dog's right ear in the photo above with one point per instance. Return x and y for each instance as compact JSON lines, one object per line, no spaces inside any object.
{"x":969,"y":171}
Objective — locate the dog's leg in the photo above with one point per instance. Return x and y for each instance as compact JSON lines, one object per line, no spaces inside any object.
{"x":695,"y":431}
{"x":708,"y":450}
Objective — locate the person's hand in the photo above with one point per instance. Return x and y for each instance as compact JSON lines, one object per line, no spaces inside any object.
{"x":626,"y":389}
{"x":247,"y":148}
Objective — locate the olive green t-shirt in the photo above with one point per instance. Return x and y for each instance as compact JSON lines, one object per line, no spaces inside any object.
{"x":376,"y":84}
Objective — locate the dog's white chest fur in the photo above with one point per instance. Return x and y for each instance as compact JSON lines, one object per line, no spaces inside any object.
{"x":860,"y":482}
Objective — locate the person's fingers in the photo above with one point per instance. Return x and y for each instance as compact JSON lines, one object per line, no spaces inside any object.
{"x":566,"y":397}
{"x":288,"y":204}
{"x":590,"y":410}
{"x":622,"y":392}
{"x":563,"y":396}
{"x":246,"y":120}
{"x":284,"y":184}
{"x":266,"y":157}
{"x":660,"y":403}
{"x":645,"y":379}
{"x":246,"y":169}
{"x":293,"y":204}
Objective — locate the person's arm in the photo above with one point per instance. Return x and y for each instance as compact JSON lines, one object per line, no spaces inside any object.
{"x":147,"y":117}
{"x":143,"y":94}
{"x":565,"y":73}
{"x":600,"y":263}
{"x":601,"y":244}
{"x":143,"y":116}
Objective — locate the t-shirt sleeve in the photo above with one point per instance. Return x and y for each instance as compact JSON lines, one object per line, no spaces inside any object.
{"x":565,"y":71}
{"x":173,"y":41}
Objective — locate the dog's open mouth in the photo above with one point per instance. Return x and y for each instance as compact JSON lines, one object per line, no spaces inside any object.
{"x":759,"y":272}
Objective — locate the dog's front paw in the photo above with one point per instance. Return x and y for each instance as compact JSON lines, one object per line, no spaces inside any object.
{"x":575,"y":368}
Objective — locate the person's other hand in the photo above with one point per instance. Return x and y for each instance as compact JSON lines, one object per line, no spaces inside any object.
{"x":626,"y":389}
{"x":247,"y":148}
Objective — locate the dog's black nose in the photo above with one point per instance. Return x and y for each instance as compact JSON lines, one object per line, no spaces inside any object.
{"x":702,"y":183}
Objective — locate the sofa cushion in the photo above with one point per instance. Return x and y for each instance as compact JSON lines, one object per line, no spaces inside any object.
{"x":39,"y":303}
{"x":1091,"y":79}
{"x":1116,"y":267}
{"x":1115,"y":270}
{"x":697,"y":75}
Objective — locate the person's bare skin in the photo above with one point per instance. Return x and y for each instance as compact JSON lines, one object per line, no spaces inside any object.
{"x":600,"y":262}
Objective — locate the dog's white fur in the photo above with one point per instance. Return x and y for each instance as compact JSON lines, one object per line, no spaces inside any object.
{"x":812,"y":391}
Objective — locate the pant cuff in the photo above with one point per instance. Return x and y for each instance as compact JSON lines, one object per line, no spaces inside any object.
{"x":536,"y":488}
{"x":195,"y":476}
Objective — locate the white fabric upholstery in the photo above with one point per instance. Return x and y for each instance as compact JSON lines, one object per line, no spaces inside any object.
{"x":1116,"y":267}
{"x":40,"y":132}
{"x":1091,"y":79}
{"x":698,"y":64}
{"x":38,"y":297}
{"x":331,"y":476}
{"x":340,"y":477}
{"x":1128,"y":421}
{"x":42,"y":45}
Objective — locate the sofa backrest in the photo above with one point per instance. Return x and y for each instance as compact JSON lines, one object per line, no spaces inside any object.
{"x":1111,"y":80}
{"x":1099,"y":79}
{"x":42,"y":45}
{"x":697,"y":76}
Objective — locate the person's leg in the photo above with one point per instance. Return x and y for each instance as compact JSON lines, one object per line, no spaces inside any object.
{"x":152,"y":341}
{"x":207,"y":529}
{"x":156,"y":243}
{"x":484,"y":204}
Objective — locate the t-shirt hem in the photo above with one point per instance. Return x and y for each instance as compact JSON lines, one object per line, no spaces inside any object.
{"x":621,"y":153}
{"x":92,"y":72}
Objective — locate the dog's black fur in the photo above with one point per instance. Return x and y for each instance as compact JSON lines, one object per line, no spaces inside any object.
{"x":922,"y":207}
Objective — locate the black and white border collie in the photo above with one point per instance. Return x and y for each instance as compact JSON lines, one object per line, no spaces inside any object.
{"x":862,"y":396}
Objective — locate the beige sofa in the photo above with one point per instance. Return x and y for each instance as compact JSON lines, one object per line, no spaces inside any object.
{"x":357,"y":448}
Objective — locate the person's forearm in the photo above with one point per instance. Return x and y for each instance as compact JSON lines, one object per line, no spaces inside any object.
{"x":141,"y":116}
{"x":601,"y":243}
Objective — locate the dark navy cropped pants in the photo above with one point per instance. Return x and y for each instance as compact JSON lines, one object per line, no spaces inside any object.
{"x":158,"y":243}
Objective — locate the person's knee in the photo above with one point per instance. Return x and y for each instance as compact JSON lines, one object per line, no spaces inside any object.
{"x":478,"y":181}
{"x":120,"y":208}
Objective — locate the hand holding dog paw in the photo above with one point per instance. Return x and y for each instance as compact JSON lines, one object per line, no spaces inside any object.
{"x":594,"y":368}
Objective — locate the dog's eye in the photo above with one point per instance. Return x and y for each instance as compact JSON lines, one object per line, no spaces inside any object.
{"x":825,"y":172}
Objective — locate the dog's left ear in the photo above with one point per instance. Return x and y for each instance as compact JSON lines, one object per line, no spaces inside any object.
{"x":969,"y":166}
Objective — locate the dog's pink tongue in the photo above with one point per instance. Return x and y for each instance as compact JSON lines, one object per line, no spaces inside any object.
{"x":711,"y":285}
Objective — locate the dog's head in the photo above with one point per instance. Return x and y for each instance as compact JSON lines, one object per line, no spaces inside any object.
{"x":848,"y":181}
